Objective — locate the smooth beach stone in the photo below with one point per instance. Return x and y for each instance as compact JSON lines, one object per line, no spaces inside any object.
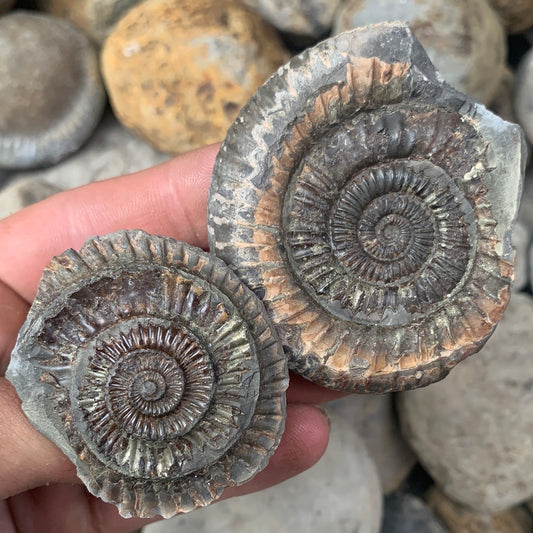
{"x":521,"y":238}
{"x":178,"y":71}
{"x":111,"y":151}
{"x":463,"y":38}
{"x":50,"y":88}
{"x":373,"y":418}
{"x":517,"y":15}
{"x":311,"y":18}
{"x":21,"y":192}
{"x":95,"y":17}
{"x":523,"y":97}
{"x":6,"y":5}
{"x":460,"y":519}
{"x":472,"y":431}
{"x":341,"y":494}
{"x":405,"y":513}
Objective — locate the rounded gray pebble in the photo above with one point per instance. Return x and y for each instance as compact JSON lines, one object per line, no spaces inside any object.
{"x":111,"y":151}
{"x":473,"y":430}
{"x":464,"y":39}
{"x":373,"y":417}
{"x":50,"y":88}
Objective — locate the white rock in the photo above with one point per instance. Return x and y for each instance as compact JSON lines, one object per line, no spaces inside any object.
{"x":372,"y":416}
{"x":473,"y":431}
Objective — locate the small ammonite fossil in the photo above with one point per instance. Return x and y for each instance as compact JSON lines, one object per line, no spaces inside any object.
{"x":370,"y":206}
{"x":154,"y":369}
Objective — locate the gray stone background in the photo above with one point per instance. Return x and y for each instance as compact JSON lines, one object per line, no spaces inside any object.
{"x":455,"y":456}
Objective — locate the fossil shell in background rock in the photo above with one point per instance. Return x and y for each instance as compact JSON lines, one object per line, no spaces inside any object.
{"x":463,"y":38}
{"x":154,"y":369}
{"x":370,"y":206}
{"x":51,"y":93}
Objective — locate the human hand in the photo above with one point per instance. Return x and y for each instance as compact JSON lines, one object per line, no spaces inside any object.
{"x":38,"y":485}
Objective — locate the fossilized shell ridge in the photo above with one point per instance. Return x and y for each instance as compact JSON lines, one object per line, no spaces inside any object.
{"x":370,"y":206}
{"x":154,"y":369}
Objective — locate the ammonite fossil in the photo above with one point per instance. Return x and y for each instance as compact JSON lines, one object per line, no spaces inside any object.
{"x":154,"y":369}
{"x":370,"y":206}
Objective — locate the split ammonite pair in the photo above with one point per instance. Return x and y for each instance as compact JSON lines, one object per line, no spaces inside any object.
{"x":364,"y":208}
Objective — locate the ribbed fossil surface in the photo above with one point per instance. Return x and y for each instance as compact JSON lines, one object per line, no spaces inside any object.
{"x":154,"y":369}
{"x":370,"y":206}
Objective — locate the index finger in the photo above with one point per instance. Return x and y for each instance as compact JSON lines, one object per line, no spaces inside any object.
{"x":169,"y":199}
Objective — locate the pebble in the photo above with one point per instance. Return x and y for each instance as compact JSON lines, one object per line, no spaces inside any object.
{"x":517,"y":15}
{"x":50,"y":88}
{"x":521,"y":239}
{"x":341,"y":494}
{"x":473,"y":430}
{"x":19,"y":193}
{"x":405,"y":513}
{"x":96,"y":18}
{"x":178,"y":71}
{"x":523,"y":98}
{"x":459,"y":519}
{"x":373,"y":417}
{"x":111,"y":151}
{"x":464,"y":39}
{"x":307,"y":18}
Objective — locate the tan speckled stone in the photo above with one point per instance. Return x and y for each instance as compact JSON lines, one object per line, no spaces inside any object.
{"x":517,"y":15}
{"x":95,"y":17}
{"x":178,"y":71}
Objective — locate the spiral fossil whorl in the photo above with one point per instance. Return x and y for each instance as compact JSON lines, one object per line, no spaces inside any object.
{"x":390,"y":230}
{"x":157,"y":372}
{"x":360,"y":196}
{"x":154,"y":382}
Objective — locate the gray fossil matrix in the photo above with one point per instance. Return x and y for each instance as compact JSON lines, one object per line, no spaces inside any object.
{"x":370,"y":205}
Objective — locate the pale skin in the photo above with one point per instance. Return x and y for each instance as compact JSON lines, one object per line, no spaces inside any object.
{"x":38,"y":485}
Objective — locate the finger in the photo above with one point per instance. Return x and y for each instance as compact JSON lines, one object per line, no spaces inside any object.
{"x":29,"y":459}
{"x":13,"y":310}
{"x":169,"y":199}
{"x":63,"y":508}
{"x":303,"y":443}
{"x":303,"y":391}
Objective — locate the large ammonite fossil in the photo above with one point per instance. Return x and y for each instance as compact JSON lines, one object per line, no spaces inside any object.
{"x":154,"y":369}
{"x":370,"y":206}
